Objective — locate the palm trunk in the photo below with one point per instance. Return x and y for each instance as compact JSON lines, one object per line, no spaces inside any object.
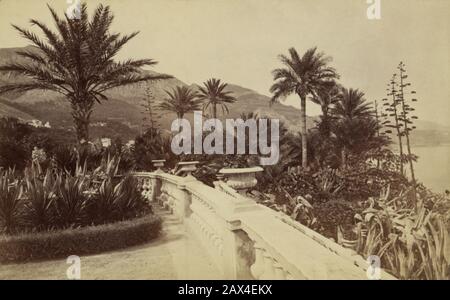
{"x":214,"y":111}
{"x":82,"y":120}
{"x":303,"y":132}
{"x":343,"y":158}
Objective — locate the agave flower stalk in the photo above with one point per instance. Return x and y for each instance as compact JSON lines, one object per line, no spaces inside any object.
{"x":394,"y":112}
{"x":407,"y":121}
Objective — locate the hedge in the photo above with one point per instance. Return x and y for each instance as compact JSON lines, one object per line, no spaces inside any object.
{"x":80,"y":241}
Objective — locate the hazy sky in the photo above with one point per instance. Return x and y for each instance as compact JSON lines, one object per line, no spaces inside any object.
{"x":239,"y":40}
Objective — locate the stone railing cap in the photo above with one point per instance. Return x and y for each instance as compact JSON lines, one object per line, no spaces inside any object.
{"x":183,"y":163}
{"x":240,"y":170}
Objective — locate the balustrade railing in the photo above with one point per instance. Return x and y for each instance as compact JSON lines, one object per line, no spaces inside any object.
{"x":247,"y":240}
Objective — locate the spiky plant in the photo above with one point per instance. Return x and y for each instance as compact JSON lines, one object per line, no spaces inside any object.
{"x":11,"y":205}
{"x":69,"y":205}
{"x":77,"y":61}
{"x":40,"y":194}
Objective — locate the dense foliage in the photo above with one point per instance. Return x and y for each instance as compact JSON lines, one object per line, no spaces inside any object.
{"x":43,"y":200}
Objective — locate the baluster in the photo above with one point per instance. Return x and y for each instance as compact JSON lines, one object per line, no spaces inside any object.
{"x":269,"y":270}
{"x":258,"y":267}
{"x":280,"y":274}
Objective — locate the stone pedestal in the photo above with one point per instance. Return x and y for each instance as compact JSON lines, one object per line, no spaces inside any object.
{"x":158,"y":164}
{"x":186,"y":167}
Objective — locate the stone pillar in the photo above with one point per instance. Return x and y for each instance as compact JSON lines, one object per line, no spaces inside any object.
{"x":156,"y":192}
{"x":237,"y":244}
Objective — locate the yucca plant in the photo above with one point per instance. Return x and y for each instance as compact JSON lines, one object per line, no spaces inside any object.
{"x":130,"y":202}
{"x":102,"y":207}
{"x":109,"y":167}
{"x":69,"y":205}
{"x":11,"y":205}
{"x":40,"y":194}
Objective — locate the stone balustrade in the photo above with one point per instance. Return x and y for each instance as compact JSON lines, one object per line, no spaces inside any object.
{"x":246,"y":240}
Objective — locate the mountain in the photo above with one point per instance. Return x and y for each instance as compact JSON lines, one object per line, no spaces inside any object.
{"x":123,"y":112}
{"x":124,"y":106}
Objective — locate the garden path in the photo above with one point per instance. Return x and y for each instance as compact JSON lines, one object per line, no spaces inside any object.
{"x":176,"y":254}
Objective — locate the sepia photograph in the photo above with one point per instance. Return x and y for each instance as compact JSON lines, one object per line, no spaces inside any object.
{"x":224,"y":140}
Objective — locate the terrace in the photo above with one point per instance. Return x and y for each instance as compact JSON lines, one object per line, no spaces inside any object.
{"x":213,"y":233}
{"x":242,"y":238}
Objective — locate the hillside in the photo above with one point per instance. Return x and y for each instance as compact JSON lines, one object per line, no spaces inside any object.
{"x":124,"y":112}
{"x":125,"y":104}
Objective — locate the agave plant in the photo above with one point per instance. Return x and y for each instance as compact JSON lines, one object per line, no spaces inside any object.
{"x":130,"y":202}
{"x":411,"y":244}
{"x":103,"y":206}
{"x":69,"y":205}
{"x":11,"y":206}
{"x":40,"y":194}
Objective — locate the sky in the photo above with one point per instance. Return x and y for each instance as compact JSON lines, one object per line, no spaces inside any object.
{"x":239,"y":40}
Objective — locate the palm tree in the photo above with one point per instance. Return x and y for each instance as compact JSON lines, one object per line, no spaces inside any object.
{"x":326,"y":97}
{"x":352,"y":105}
{"x":180,"y":101}
{"x":77,"y":61}
{"x":303,"y":76}
{"x":353,"y":117}
{"x":214,"y":94}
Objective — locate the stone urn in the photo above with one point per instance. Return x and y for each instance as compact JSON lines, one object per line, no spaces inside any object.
{"x":240,"y":179}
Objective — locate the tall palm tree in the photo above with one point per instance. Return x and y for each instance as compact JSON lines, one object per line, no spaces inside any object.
{"x":77,"y":61}
{"x":352,"y":105}
{"x":180,"y":101}
{"x":214,"y":94}
{"x":326,"y":97}
{"x":354,"y":121}
{"x":303,"y":76}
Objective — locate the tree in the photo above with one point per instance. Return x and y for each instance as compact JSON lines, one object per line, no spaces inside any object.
{"x":353,"y":121}
{"x":214,"y":94}
{"x":77,"y":61}
{"x":326,"y":97}
{"x":180,"y":101}
{"x":303,"y":76}
{"x":15,"y":152}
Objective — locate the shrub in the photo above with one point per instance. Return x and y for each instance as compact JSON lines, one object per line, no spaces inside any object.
{"x":40,"y":196}
{"x":57,"y":200}
{"x":11,"y":207}
{"x":81,"y":241}
{"x":70,"y":200}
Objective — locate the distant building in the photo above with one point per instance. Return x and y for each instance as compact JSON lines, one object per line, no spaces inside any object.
{"x":98,"y":124}
{"x":130,"y":143}
{"x":106,"y":142}
{"x":35,"y":123}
